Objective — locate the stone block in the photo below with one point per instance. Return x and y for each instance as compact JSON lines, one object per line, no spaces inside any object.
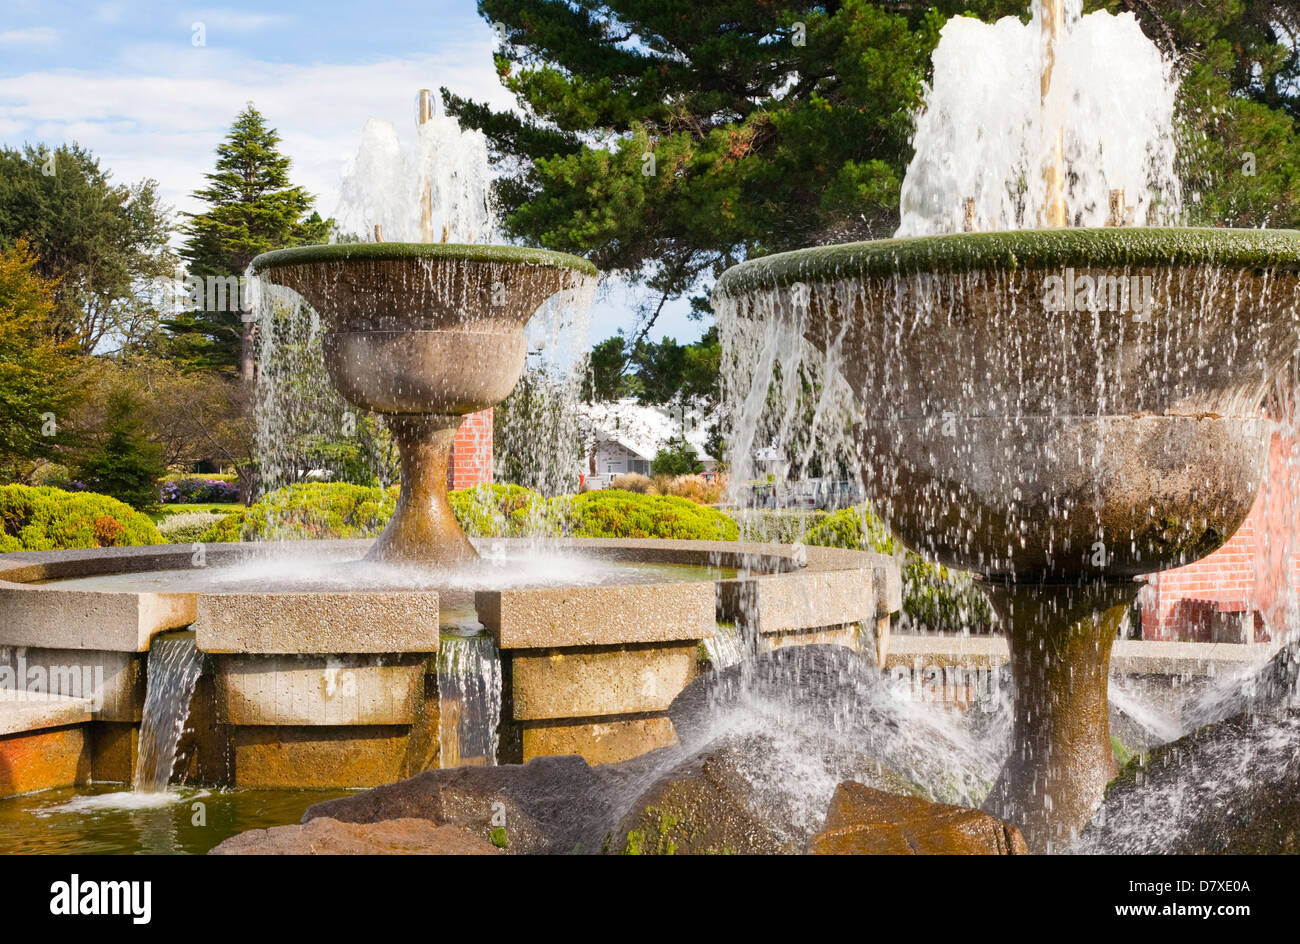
{"x":317,"y":623}
{"x":112,"y":681}
{"x":314,"y":757}
{"x":614,"y":680}
{"x":41,"y":760}
{"x":552,"y":617}
{"x":319,"y":690}
{"x":597,"y":740}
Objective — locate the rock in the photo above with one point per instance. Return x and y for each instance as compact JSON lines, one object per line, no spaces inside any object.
{"x":735,"y":796}
{"x":865,"y":821}
{"x":1232,"y":787}
{"x":549,"y":805}
{"x":325,"y":836}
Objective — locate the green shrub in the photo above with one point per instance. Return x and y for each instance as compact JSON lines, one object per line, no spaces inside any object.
{"x":186,"y":527}
{"x":677,"y":458}
{"x":504,"y":511}
{"x":50,"y":519}
{"x":610,"y":513}
{"x":933,"y":596}
{"x":338,"y":510}
{"x":309,"y":510}
{"x":126,"y":464}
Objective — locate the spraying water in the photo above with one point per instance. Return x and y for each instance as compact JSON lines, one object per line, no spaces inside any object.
{"x":173,"y":670}
{"x":988,"y":129}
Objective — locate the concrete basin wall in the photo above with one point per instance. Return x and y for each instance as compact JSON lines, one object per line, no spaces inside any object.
{"x":339,"y":688}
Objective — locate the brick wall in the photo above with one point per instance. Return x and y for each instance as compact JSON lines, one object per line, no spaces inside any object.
{"x":471,"y":452}
{"x":1252,"y":572}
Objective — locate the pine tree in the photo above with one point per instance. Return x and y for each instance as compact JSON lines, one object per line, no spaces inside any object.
{"x":126,"y":464}
{"x":253,"y":208}
{"x":668,"y":139}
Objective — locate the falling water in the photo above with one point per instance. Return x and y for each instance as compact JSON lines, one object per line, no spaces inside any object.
{"x":173,"y":670}
{"x":469,"y":700}
{"x":726,"y":647}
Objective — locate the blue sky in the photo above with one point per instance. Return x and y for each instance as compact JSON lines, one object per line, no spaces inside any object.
{"x":127,"y":80}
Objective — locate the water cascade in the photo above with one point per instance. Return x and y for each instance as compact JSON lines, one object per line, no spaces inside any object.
{"x":173,"y":670}
{"x":469,"y":700}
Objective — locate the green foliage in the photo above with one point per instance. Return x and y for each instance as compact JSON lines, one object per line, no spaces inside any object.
{"x":310,"y":510}
{"x":502,"y":511}
{"x":125,"y":464}
{"x":677,"y":458}
{"x":49,"y":519}
{"x":611,"y":513}
{"x":933,"y":596}
{"x":100,"y":243}
{"x":253,"y":208}
{"x":36,"y":372}
{"x":188,"y":526}
{"x":338,"y":510}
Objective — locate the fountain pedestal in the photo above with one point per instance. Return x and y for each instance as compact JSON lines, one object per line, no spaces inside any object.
{"x":1060,"y":637}
{"x":423,"y":527}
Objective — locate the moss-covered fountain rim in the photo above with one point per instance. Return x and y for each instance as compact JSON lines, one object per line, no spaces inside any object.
{"x":383,"y":252}
{"x":1016,"y":249}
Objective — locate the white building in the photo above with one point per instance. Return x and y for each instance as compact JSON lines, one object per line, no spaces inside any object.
{"x":625,"y":436}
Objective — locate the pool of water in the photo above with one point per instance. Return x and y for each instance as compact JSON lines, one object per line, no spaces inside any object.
{"x":295,"y":570}
{"x":110,"y":819}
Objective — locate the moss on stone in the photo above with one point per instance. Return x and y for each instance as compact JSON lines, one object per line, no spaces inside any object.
{"x":499,"y":837}
{"x":1017,"y":249}
{"x":345,"y":252}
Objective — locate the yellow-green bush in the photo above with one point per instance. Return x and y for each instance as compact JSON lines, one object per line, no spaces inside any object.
{"x":50,"y":519}
{"x":617,"y":514}
{"x":309,"y":510}
{"x":336,"y":510}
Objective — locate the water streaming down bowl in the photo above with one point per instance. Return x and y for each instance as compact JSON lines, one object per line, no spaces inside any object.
{"x":424,"y":333}
{"x":1058,"y":410}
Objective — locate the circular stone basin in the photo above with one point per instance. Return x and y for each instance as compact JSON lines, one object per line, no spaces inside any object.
{"x":322,"y":597}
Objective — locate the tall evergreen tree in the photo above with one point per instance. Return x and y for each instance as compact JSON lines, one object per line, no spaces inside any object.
{"x":253,"y":208}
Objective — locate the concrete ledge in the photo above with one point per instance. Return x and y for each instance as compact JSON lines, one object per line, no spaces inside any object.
{"x":317,"y":623}
{"x":113,"y":682}
{"x":21,"y":712}
{"x":550,"y":684}
{"x":1128,"y":656}
{"x":553,"y":617}
{"x":307,"y":691}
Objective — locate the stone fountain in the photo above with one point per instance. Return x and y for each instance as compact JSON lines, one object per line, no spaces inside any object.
{"x":423,"y":333}
{"x":1058,"y":410}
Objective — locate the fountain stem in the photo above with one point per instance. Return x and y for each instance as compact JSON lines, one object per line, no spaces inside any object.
{"x":1055,"y":213}
{"x":1060,"y":637}
{"x":423,"y":528}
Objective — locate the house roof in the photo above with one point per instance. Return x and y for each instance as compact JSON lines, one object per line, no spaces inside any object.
{"x":641,"y":430}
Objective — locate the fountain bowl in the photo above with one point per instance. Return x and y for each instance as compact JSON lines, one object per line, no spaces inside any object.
{"x":1006,"y":428}
{"x":424,"y":333}
{"x":1059,"y":411}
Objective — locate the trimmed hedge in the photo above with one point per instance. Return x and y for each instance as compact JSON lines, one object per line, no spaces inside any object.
{"x":337,"y":510}
{"x":933,"y":596}
{"x":610,"y":513}
{"x":50,"y":519}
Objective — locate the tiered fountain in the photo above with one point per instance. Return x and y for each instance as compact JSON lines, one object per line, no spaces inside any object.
{"x":1060,"y":405}
{"x":321,"y":654}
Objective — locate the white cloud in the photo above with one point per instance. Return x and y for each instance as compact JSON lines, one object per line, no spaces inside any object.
{"x":32,"y":36}
{"x":166,"y":109}
{"x":234,"y":21}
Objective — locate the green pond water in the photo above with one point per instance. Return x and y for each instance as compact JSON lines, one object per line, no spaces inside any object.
{"x":108,"y":819}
